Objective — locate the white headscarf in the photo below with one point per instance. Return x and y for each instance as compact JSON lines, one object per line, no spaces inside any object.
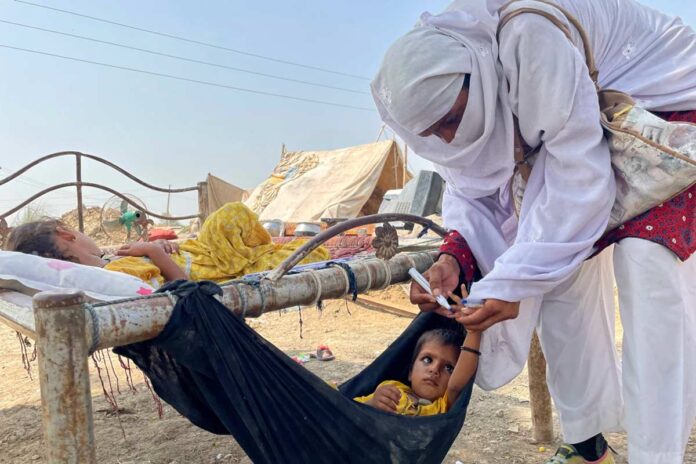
{"x":419,"y":80}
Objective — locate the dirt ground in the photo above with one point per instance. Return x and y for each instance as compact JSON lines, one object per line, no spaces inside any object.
{"x":496,"y":431}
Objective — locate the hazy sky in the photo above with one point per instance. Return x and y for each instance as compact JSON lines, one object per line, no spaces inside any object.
{"x":169,"y":131}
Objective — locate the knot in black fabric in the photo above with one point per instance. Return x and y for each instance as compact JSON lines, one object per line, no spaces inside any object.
{"x":183,"y":288}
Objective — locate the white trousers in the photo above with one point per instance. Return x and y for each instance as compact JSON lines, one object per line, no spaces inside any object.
{"x":657,"y":299}
{"x":575,"y":322}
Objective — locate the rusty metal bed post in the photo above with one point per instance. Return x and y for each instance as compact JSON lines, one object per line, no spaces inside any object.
{"x":66,"y":402}
{"x":78,"y":180}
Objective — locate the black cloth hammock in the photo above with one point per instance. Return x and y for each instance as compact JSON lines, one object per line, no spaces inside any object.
{"x":227,"y":379}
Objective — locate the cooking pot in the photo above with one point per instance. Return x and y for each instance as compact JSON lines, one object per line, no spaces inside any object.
{"x":307,"y":229}
{"x":274,"y":227}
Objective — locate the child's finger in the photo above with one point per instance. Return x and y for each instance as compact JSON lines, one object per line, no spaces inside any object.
{"x":394,"y":394}
{"x":388,"y":404}
{"x":465,"y":293}
{"x":454,"y":297}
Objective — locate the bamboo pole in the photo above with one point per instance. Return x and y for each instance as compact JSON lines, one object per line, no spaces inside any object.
{"x":539,"y":396}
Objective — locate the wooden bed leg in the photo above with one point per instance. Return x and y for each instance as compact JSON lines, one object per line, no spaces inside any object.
{"x":539,"y":396}
{"x":64,"y":376}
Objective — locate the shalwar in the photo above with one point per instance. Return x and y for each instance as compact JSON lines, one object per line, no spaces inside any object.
{"x":657,"y":299}
{"x":575,"y":323}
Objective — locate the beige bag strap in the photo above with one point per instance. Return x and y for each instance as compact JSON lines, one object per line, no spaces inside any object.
{"x":610,"y":101}
{"x":589,"y":58}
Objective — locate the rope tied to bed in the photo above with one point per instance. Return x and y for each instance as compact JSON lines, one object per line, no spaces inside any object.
{"x":351,"y":282}
{"x":95,"y":327}
{"x":387,"y":274}
{"x":317,"y":300}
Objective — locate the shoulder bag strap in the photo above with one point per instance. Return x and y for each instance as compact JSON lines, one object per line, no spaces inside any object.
{"x":589,"y":58}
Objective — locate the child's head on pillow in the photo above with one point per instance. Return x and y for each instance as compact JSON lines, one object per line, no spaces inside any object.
{"x":51,"y":238}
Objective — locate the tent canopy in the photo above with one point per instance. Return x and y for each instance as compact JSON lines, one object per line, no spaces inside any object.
{"x":221,"y":192}
{"x":343,"y":183}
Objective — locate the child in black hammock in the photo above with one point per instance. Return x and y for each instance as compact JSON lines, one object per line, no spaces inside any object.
{"x":440,"y":369}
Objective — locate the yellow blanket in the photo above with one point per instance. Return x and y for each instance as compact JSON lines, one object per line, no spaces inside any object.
{"x":231,"y":243}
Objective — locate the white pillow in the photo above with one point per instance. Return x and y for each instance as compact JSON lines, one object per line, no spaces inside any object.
{"x":31,"y":274}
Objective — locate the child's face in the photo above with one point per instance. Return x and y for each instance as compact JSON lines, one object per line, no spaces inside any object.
{"x":431,"y":371}
{"x":78,"y":246}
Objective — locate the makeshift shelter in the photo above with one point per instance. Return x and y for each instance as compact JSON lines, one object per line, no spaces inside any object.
{"x":343,"y":183}
{"x":221,"y":192}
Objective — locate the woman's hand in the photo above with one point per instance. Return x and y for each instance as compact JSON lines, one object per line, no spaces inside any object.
{"x":492,"y":312}
{"x":443,"y":277}
{"x":386,"y":398}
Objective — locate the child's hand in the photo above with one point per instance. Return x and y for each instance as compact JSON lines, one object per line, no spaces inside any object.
{"x":139,"y":249}
{"x":386,"y":398}
{"x":460,"y":310}
{"x":167,"y":246}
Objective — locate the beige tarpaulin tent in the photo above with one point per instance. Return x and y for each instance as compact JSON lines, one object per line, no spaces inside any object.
{"x":344,"y":183}
{"x":221,"y":192}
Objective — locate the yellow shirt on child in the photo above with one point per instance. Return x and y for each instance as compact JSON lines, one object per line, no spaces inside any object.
{"x":142,"y":268}
{"x":409,"y":403}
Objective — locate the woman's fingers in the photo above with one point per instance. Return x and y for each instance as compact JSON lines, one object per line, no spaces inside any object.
{"x":474,"y":317}
{"x":424,"y":300}
{"x":492,"y":312}
{"x":435,"y":277}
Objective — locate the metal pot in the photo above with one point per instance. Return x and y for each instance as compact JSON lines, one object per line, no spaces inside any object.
{"x":307,"y":229}
{"x":274,"y":227}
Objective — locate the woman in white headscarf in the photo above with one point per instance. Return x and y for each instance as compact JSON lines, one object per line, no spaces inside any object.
{"x":465,"y":99}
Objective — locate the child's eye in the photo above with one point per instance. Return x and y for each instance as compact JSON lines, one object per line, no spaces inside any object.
{"x":426,"y":360}
{"x":449,"y":368}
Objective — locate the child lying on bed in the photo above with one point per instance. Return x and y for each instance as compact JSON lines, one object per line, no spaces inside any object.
{"x":440,"y":369}
{"x":231,"y":243}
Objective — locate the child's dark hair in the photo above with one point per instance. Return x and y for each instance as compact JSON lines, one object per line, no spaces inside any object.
{"x":445,"y":336}
{"x":37,"y":238}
